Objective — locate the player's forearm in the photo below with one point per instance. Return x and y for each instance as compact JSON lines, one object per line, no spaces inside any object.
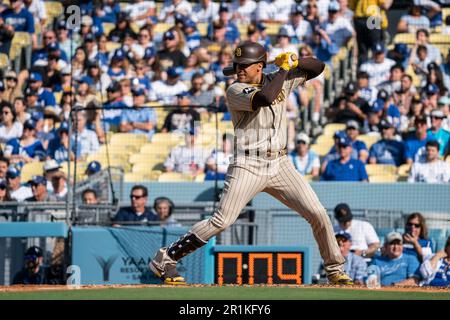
{"x":270,"y":91}
{"x":311,"y":66}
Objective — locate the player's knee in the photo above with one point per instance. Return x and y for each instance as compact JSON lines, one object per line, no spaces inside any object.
{"x":218,"y":221}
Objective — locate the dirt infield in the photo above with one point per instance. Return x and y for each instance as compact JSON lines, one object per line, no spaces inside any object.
{"x":40,"y":288}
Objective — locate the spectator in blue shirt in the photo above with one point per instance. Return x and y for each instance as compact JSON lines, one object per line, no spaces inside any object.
{"x":108,"y":11}
{"x":140,"y":119}
{"x":232,"y":34}
{"x":359,"y":148}
{"x":192,"y":35}
{"x":387,"y":150}
{"x":437,"y":131}
{"x":20,"y":18}
{"x":323,"y":47}
{"x":45,"y":97}
{"x":345,"y":168}
{"x":60,"y":149}
{"x":414,"y":143}
{"x":416,"y":238}
{"x":113,"y":108}
{"x":395,"y":267}
{"x":355,"y":266}
{"x":333,"y":154}
{"x":138,"y":211}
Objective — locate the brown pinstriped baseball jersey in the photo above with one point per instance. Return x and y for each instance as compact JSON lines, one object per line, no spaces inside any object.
{"x":265,"y":128}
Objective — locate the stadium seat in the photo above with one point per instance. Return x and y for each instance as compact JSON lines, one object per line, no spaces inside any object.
{"x":436,"y":38}
{"x":31,"y":169}
{"x":107,"y":27}
{"x":202,"y":29}
{"x":81,"y":167}
{"x":131,"y":139}
{"x":200,"y":178}
{"x":385,"y":178}
{"x":380,"y":169}
{"x":53,"y":8}
{"x":408,"y":38}
{"x":368,"y":140}
{"x":21,"y":39}
{"x":325,"y":140}
{"x":161,"y":27}
{"x":320,"y":149}
{"x":140,"y":177}
{"x":174,"y":177}
{"x":272,"y":28}
{"x":112,"y":46}
{"x":4,"y":61}
{"x":403,"y":170}
{"x":448,"y":159}
{"x":331,"y":128}
{"x":145,"y":167}
{"x":167,"y":138}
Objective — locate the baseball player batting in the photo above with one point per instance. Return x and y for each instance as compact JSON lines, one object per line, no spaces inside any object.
{"x":257,"y":103}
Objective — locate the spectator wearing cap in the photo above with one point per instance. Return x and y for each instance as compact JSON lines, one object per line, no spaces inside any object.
{"x":13,"y":86}
{"x":166,"y":91}
{"x":283,"y":43}
{"x":336,"y":26}
{"x":430,"y":97}
{"x":50,"y":46}
{"x":113,"y":108}
{"x":183,"y":118}
{"x":298,"y":26}
{"x":45,"y":97}
{"x":33,"y":272}
{"x":27,"y":148}
{"x":366,"y":32}
{"x":171,"y":54}
{"x":305,"y":161}
{"x":188,"y":159}
{"x":4,"y":164}
{"x":93,"y":168}
{"x":139,"y":119}
{"x":395,"y":267}
{"x":324,"y":47}
{"x":355,"y":266}
{"x":17,"y":191}
{"x":394,"y":82}
{"x":243,"y":11}
{"x":436,"y":269}
{"x":232,"y":34}
{"x":273,"y":11}
{"x":20,"y":19}
{"x":378,"y":68}
{"x":59,"y":149}
{"x":413,"y":21}
{"x":400,"y":54}
{"x":388,"y":150}
{"x":415,"y":142}
{"x":192,"y":35}
{"x":365,"y":241}
{"x":217,"y":164}
{"x":64,"y":41}
{"x":333,"y":154}
{"x":171,"y":8}
{"x":385,"y":107}
{"x":345,"y":168}
{"x":205,"y":11}
{"x":116,"y":69}
{"x":51,"y":167}
{"x":437,"y":131}
{"x":257,"y":33}
{"x":430,"y":169}
{"x":86,"y":139}
{"x":10,"y":128}
{"x":365,"y":91}
{"x":39,"y":188}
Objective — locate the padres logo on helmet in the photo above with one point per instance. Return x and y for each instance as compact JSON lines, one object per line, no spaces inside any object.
{"x":238,"y":52}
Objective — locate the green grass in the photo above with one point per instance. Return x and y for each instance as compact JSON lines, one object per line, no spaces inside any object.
{"x":224,"y":293}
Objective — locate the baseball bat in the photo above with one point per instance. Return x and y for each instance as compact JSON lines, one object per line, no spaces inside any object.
{"x":229,"y":71}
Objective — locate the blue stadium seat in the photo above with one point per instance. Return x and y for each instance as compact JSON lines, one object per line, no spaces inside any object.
{"x":438,"y":237}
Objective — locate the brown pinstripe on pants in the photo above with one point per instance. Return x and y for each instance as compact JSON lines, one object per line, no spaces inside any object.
{"x":249,"y":176}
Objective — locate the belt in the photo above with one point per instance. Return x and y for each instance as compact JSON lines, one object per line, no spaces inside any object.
{"x":268,"y":153}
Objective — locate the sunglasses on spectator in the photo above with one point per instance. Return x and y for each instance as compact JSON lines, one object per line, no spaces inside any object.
{"x":416,"y":225}
{"x":11,"y":78}
{"x":2,"y":187}
{"x":136,"y":197}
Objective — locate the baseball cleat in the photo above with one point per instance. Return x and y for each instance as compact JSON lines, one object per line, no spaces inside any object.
{"x":175,"y":279}
{"x":340,"y":279}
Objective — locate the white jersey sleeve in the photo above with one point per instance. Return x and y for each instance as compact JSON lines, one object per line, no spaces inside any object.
{"x":240,"y":96}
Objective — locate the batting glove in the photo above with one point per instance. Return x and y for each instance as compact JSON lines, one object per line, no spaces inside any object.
{"x":286,"y":61}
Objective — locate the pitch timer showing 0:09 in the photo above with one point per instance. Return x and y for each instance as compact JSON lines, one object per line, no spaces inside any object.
{"x":259,"y":268}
